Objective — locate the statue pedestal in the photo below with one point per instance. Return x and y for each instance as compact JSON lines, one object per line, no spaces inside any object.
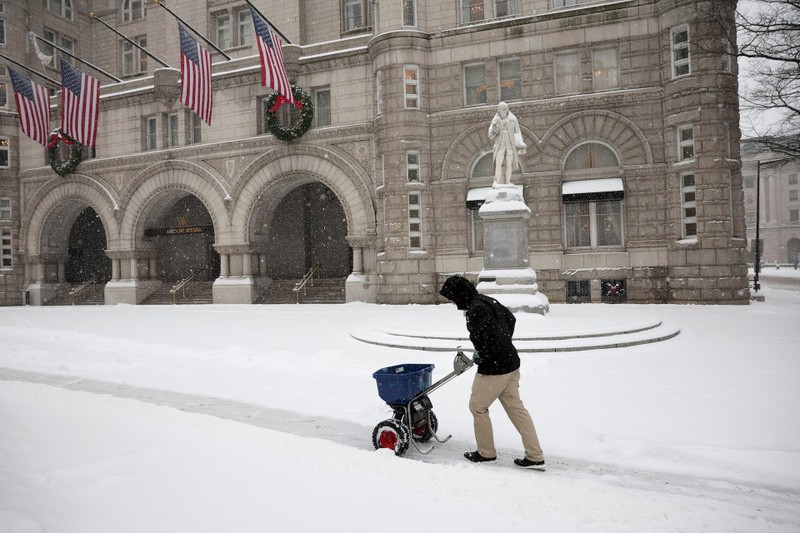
{"x":506,"y":274}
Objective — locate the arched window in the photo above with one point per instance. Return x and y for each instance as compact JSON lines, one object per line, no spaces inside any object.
{"x":591,"y":155}
{"x":593,"y":204}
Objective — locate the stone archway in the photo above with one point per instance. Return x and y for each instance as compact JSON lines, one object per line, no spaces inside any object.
{"x":272,"y":177}
{"x":169,"y":199}
{"x":299,"y":227}
{"x":46,"y":233}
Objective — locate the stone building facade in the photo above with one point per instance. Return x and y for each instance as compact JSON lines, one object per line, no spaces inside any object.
{"x":629,"y":109}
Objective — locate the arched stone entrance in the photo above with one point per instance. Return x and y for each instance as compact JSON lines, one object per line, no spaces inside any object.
{"x":307,"y":226}
{"x":300,"y":194}
{"x":86,"y":256}
{"x":65,"y":237}
{"x":179,"y":237}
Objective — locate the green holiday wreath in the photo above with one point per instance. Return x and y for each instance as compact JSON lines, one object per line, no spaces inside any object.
{"x":275,"y":100}
{"x":62,"y":168}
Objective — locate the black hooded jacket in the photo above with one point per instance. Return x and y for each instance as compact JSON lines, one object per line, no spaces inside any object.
{"x":490,"y":325}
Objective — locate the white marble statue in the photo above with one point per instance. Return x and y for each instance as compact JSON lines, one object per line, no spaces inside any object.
{"x":508,"y":144}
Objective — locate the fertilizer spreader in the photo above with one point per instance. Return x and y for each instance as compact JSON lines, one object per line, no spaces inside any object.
{"x":405,"y":388}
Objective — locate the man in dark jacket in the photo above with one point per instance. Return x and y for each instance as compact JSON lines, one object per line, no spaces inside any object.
{"x":491,"y":327}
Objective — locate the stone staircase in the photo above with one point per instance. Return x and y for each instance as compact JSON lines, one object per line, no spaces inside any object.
{"x":198,"y":292}
{"x":324,"y":291}
{"x":90,"y":295}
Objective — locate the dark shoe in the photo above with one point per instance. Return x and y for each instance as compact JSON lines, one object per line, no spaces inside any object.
{"x":527,"y":463}
{"x":475,"y":457}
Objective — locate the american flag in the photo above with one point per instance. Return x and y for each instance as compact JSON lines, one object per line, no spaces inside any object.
{"x":195,"y":76}
{"x":33,"y":106}
{"x":80,"y":103}
{"x":273,"y":72}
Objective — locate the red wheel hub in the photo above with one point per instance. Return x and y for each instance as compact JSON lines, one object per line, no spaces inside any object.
{"x":388,"y":439}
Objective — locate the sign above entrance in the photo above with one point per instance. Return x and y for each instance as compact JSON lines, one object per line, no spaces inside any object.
{"x":183,"y":230}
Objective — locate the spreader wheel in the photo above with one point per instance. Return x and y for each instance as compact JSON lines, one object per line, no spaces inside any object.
{"x":422,"y":431}
{"x":391,"y":434}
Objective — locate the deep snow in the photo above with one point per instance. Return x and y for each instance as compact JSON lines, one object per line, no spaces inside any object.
{"x":105,"y":425}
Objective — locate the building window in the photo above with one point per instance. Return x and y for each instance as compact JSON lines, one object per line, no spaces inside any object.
{"x":476,"y":231}
{"x":593,"y":224}
{"x":379,"y":92}
{"x":356,"y":14}
{"x":749,"y":183}
{"x":3,"y":88}
{"x":793,"y":195}
{"x":793,"y":216}
{"x":195,"y":129}
{"x":412,"y":166}
{"x":53,"y":38}
{"x":172,"y":130}
{"x":134,"y":60}
{"x":472,"y":11}
{"x":410,"y":13}
{"x":222,"y":29}
{"x":5,"y":209}
{"x":685,"y":143}
{"x":681,"y":65}
{"x":792,"y":179}
{"x":505,"y":8}
{"x":688,"y":206}
{"x":2,"y":31}
{"x":322,"y":106}
{"x":5,"y":248}
{"x":62,"y":8}
{"x":68,"y":44}
{"x":133,"y":10}
{"x":261,"y":109}
{"x":613,"y":291}
{"x":726,"y":55}
{"x":591,"y":155}
{"x":5,"y":155}
{"x":474,"y":84}
{"x":750,"y":218}
{"x":605,"y":69}
{"x":150,"y":133}
{"x":244,"y":28}
{"x":563,"y":3}
{"x":579,"y":291}
{"x":411,"y":86}
{"x":567,"y":73}
{"x":510,"y":80}
{"x":415,"y":221}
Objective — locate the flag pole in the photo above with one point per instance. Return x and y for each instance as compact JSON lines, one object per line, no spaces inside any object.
{"x":282,"y":36}
{"x":57,"y":84}
{"x":70,"y":54}
{"x":208,"y":42}
{"x":93,"y":16}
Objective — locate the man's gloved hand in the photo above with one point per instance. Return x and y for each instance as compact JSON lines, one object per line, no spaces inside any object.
{"x":476,"y":357}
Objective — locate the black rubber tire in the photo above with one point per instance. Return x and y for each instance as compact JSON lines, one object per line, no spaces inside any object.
{"x":391,"y":434}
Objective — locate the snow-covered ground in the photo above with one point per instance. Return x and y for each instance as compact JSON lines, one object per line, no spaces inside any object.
{"x":244,"y":419}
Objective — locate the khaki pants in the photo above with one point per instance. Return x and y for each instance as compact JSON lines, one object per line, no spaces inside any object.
{"x":487,"y":389}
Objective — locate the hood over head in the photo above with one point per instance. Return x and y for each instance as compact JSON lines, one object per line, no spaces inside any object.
{"x":460,"y":290}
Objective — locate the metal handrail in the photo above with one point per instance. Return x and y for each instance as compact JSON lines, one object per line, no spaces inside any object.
{"x":303,"y":283}
{"x":181,"y":285}
{"x":74,"y":292}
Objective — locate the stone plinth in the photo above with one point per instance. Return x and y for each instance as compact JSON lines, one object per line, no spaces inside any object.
{"x":506,"y":275}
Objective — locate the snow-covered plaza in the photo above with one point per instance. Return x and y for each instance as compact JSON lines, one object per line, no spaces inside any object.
{"x":242,"y":418}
